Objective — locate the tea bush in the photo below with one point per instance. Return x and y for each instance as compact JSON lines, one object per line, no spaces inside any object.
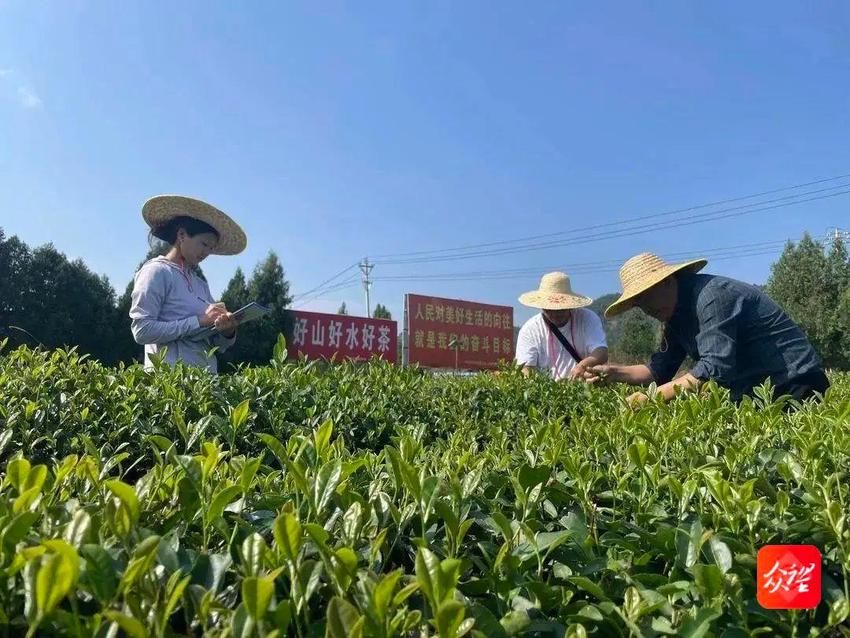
{"x":304,"y":500}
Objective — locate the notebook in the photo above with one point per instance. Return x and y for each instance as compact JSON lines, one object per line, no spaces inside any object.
{"x":246,"y":314}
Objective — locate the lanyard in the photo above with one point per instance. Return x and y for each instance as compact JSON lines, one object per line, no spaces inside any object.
{"x":551,"y":343}
{"x":186,"y":275}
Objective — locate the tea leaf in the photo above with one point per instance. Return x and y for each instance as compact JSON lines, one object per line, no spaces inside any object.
{"x":342,"y":618}
{"x":839,"y":611}
{"x":486,"y":622}
{"x":287,"y":535}
{"x":99,"y":574}
{"x":256,"y":596}
{"x":127,"y":623}
{"x":709,"y":579}
{"x":720,"y":552}
{"x":78,"y":529}
{"x":698,"y":626}
{"x":449,"y":618}
{"x":239,"y":415}
{"x":322,"y":438}
{"x":253,"y":554}
{"x":325,"y":485}
{"x":54,"y":578}
{"x":222,"y":499}
{"x":128,"y":498}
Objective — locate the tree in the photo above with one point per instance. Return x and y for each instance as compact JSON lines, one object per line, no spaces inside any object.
{"x":637,"y":340}
{"x":90,"y":301}
{"x":844,"y":321}
{"x":236,"y":295}
{"x":382,"y":312}
{"x":14,"y":264}
{"x":269,"y":287}
{"x":59,"y":303}
{"x":343,"y":309}
{"x":126,"y":348}
{"x":838,"y":274}
{"x":811,"y":285}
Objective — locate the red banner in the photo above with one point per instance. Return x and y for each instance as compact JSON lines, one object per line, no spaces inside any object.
{"x":449,"y":333}
{"x":320,"y":335}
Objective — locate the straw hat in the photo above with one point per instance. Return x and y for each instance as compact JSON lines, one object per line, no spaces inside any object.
{"x":642,"y":272}
{"x":161,"y":209}
{"x":554,"y":293}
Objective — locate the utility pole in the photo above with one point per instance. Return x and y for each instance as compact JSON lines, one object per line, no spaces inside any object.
{"x":837,"y":234}
{"x":366,"y":269}
{"x":454,"y":345}
{"x":405,"y":337}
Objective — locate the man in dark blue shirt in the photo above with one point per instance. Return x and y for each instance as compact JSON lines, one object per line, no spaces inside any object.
{"x":736,"y":334}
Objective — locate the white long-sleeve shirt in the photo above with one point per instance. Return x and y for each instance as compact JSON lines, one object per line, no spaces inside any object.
{"x":166,"y":304}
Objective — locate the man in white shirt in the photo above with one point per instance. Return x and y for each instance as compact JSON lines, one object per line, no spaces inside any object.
{"x":565,"y":338}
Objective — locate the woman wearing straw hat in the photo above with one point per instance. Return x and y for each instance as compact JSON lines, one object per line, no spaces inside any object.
{"x":565,"y":338}
{"x":170,"y":302}
{"x":736,"y":334}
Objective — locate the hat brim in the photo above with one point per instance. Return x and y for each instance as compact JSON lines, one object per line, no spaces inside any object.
{"x":553,"y":301}
{"x":627,"y":301}
{"x":161,"y":209}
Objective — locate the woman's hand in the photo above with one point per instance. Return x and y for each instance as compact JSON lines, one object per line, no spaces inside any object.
{"x":226,"y":325}
{"x":213,"y":312}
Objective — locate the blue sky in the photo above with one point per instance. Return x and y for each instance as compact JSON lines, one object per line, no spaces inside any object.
{"x":334,"y":131}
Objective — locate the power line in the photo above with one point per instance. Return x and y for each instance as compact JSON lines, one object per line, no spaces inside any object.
{"x":599,"y":269}
{"x":604,"y":267}
{"x":628,"y":232}
{"x":571,"y":266}
{"x":347,"y":283}
{"x":342,"y":284}
{"x":302,"y":305}
{"x":613,"y":265}
{"x":745,"y":209}
{"x":325,"y":282}
{"x":615,"y":223}
{"x":736,"y":211}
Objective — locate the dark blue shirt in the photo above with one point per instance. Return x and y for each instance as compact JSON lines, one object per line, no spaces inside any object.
{"x":737,"y":335}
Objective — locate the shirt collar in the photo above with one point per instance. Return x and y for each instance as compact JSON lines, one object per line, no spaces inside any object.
{"x":683,"y":310}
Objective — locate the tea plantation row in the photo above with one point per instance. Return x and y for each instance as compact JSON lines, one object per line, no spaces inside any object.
{"x":297,"y":500}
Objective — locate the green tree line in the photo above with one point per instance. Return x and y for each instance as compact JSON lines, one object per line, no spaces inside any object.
{"x":48,"y":300}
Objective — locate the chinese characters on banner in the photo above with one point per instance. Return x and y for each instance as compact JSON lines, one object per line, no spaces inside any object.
{"x":788,"y":576}
{"x":318,"y":335}
{"x":484,"y":333}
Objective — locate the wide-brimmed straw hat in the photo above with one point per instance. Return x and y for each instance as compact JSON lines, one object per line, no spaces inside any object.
{"x":161,"y":209}
{"x":642,"y":272}
{"x":554,"y":293}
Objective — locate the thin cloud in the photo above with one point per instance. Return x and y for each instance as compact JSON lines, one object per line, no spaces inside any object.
{"x":28,"y":98}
